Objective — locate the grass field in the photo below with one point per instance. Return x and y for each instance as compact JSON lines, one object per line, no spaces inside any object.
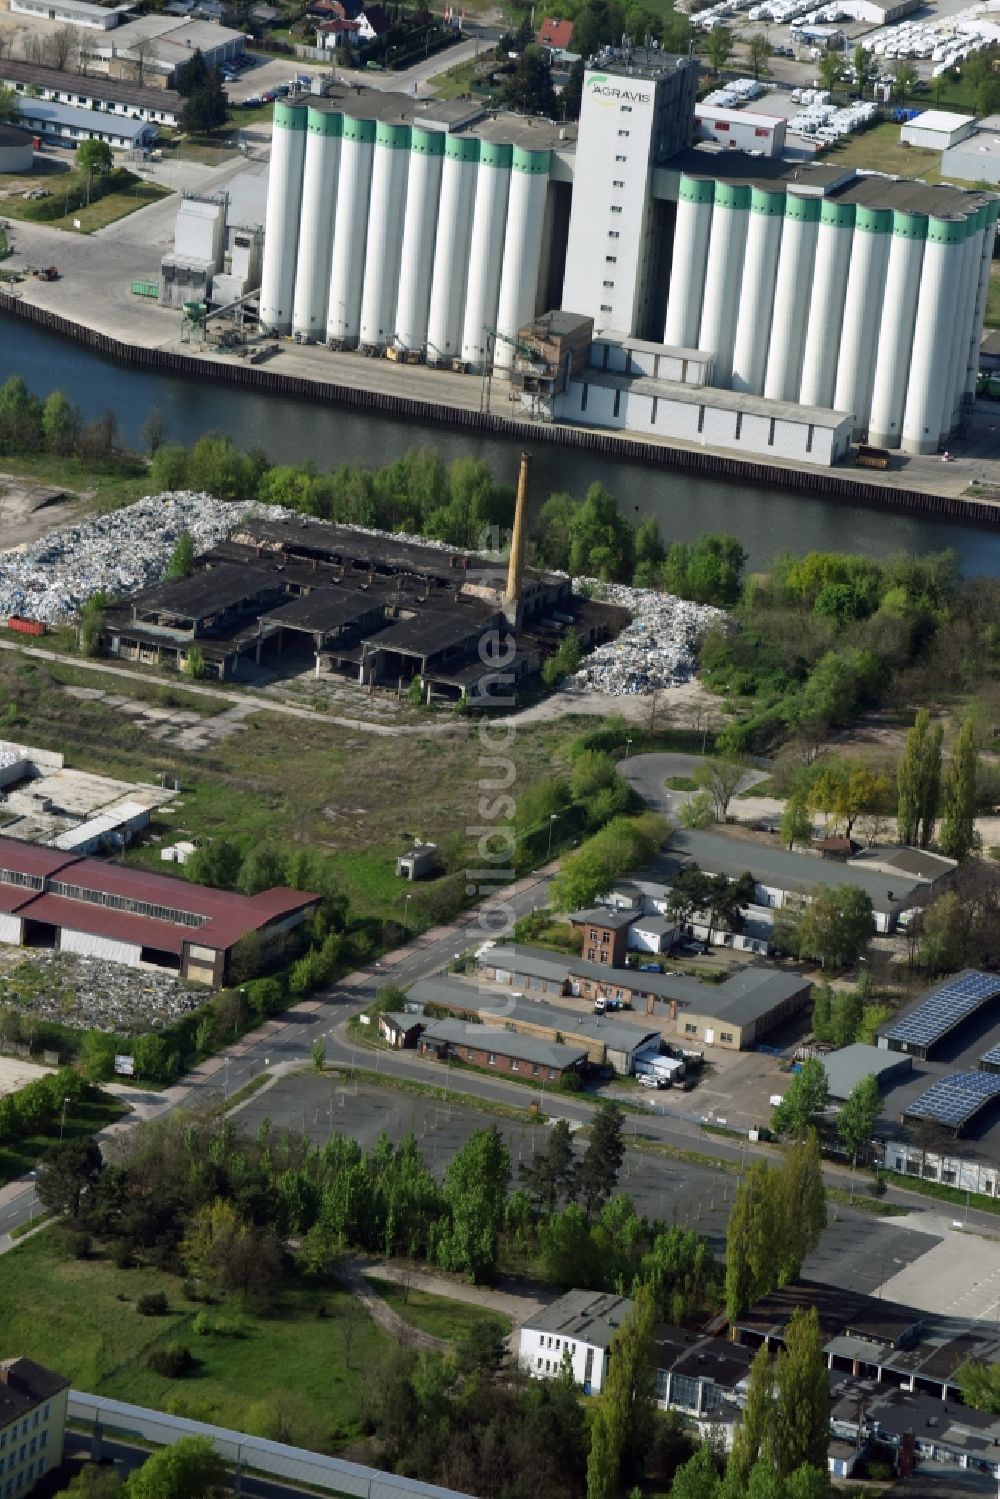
{"x":106,"y":210}
{"x":435,"y":1314}
{"x":309,"y":1362}
{"x":454,"y":81}
{"x":82,"y":1122}
{"x":879,"y":149}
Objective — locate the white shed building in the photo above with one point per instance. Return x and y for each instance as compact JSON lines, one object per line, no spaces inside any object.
{"x":741,"y":129}
{"x":936,"y":130}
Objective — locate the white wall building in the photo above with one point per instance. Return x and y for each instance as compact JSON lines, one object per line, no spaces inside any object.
{"x":741,"y":129}
{"x":937,"y":130}
{"x":71,"y":12}
{"x":578,"y":1327}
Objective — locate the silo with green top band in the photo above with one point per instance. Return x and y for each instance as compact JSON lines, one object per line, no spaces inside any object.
{"x":862,"y":311}
{"x":727,"y":247}
{"x":281,"y":224}
{"x":423,"y":190}
{"x":390,"y":170}
{"x":933,"y":331}
{"x":895,"y":332}
{"x":350,"y":232}
{"x":834,"y":241}
{"x":451,"y":254}
{"x":692,"y":231}
{"x":489,"y":225}
{"x":522,"y":253}
{"x":756,"y":301}
{"x":319,"y":197}
{"x":793,"y":285}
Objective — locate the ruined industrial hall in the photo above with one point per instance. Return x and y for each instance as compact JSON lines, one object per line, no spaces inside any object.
{"x":376,"y":609}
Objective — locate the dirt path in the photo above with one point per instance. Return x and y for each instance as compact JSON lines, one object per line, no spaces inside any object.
{"x":385,"y":1317}
{"x":512,"y":1303}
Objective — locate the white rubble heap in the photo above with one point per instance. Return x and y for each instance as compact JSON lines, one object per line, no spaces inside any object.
{"x":92,"y":994}
{"x":114,"y":553}
{"x":658,"y":648}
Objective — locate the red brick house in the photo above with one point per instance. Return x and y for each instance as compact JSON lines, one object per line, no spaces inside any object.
{"x":603,"y":934}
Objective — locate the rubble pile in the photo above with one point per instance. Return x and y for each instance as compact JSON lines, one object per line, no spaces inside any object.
{"x":94,"y":994}
{"x":658,"y":648}
{"x":114,"y":553}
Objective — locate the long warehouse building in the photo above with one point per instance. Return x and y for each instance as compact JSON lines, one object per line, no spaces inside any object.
{"x":806,"y":292}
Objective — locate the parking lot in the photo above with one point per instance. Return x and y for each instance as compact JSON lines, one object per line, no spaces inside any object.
{"x":857,"y":1251}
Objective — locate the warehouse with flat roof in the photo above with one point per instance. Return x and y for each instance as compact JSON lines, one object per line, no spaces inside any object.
{"x":849,"y":1065}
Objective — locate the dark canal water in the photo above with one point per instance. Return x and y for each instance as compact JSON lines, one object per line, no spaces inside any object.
{"x":766,"y":520}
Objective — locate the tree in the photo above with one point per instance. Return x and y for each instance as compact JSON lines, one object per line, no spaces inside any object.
{"x":698,"y":1478}
{"x":957,"y":836}
{"x":154,"y":426}
{"x":551,"y":1172}
{"x":92,"y":624}
{"x":805,"y":1100}
{"x":475,"y":1189}
{"x":837,"y":925}
{"x":918,"y":780}
{"x":800,"y":1431}
{"x":980,"y":1385}
{"x":796,"y":824}
{"x":751,"y":1241}
{"x":907,"y":79}
{"x":828,"y":69}
{"x":261,"y":869}
{"x":222,"y":1247}
{"x":708,"y":570}
{"x":697,"y":811}
{"x":71,"y":1173}
{"x":181,"y":564}
{"x":861,"y":64}
{"x":61,"y":47}
{"x":758,"y":51}
{"x":189,"y":1469}
{"x":623,"y":1421}
{"x":60,"y":424}
{"x":528,"y":90}
{"x":847,"y":792}
{"x":94,"y":157}
{"x":194,"y":663}
{"x":205,"y":110}
{"x":720,"y":777}
{"x":622,"y":844}
{"x":603,"y":1157}
{"x":216,"y":863}
{"x":942,"y":934}
{"x":860,"y":1111}
{"x":571,"y":97}
{"x":10,"y":108}
{"x":800,"y":1205}
{"x":719,"y":47}
{"x":93,"y":1481}
{"x":750,"y":1437}
{"x":601,"y":539}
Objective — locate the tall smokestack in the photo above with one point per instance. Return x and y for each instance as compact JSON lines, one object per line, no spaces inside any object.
{"x":515,"y":569}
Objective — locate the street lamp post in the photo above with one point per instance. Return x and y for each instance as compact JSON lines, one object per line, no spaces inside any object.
{"x":552,"y":818}
{"x":628,"y":746}
{"x":62,"y":1119}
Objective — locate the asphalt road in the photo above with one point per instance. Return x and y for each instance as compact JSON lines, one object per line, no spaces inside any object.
{"x":647,"y":775}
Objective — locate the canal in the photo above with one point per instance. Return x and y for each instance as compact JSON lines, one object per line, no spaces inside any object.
{"x":766,"y":520}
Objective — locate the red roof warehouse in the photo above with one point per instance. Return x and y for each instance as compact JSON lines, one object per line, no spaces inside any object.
{"x":105,"y":910}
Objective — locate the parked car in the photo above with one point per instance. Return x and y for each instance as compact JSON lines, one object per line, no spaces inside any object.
{"x":645,"y":1080}
{"x":600,"y":1005}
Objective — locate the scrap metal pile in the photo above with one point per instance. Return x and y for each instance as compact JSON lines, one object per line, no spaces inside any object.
{"x":658,"y":648}
{"x":93,"y":994}
{"x":52,"y":578}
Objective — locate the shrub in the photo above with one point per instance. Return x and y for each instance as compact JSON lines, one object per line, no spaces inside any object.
{"x":121,"y":1255}
{"x":173,"y":1362}
{"x":152,"y":1304}
{"x":79,"y":1245}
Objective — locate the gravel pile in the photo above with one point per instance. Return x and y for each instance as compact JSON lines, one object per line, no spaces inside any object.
{"x":115,"y":553}
{"x":657,"y":649}
{"x":93,"y":994}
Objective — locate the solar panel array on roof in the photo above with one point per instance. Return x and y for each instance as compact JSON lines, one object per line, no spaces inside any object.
{"x":952,"y":1101}
{"x":941,"y":1011}
{"x":991,"y":1059}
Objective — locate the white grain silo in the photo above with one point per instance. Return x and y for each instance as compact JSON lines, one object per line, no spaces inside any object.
{"x":390,"y":171}
{"x":862,"y":311}
{"x":489,"y":221}
{"x":985,"y":264}
{"x":281,"y":224}
{"x":419,"y":234}
{"x":451,"y":254}
{"x":756,"y":300}
{"x":727,"y":247}
{"x":834,"y":242}
{"x":793,"y":287}
{"x":692,"y":232}
{"x":933,"y":328}
{"x":895,"y":332}
{"x":319,"y":196}
{"x":343,"y":315}
{"x":522,"y":253}
{"x":964,"y":314}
